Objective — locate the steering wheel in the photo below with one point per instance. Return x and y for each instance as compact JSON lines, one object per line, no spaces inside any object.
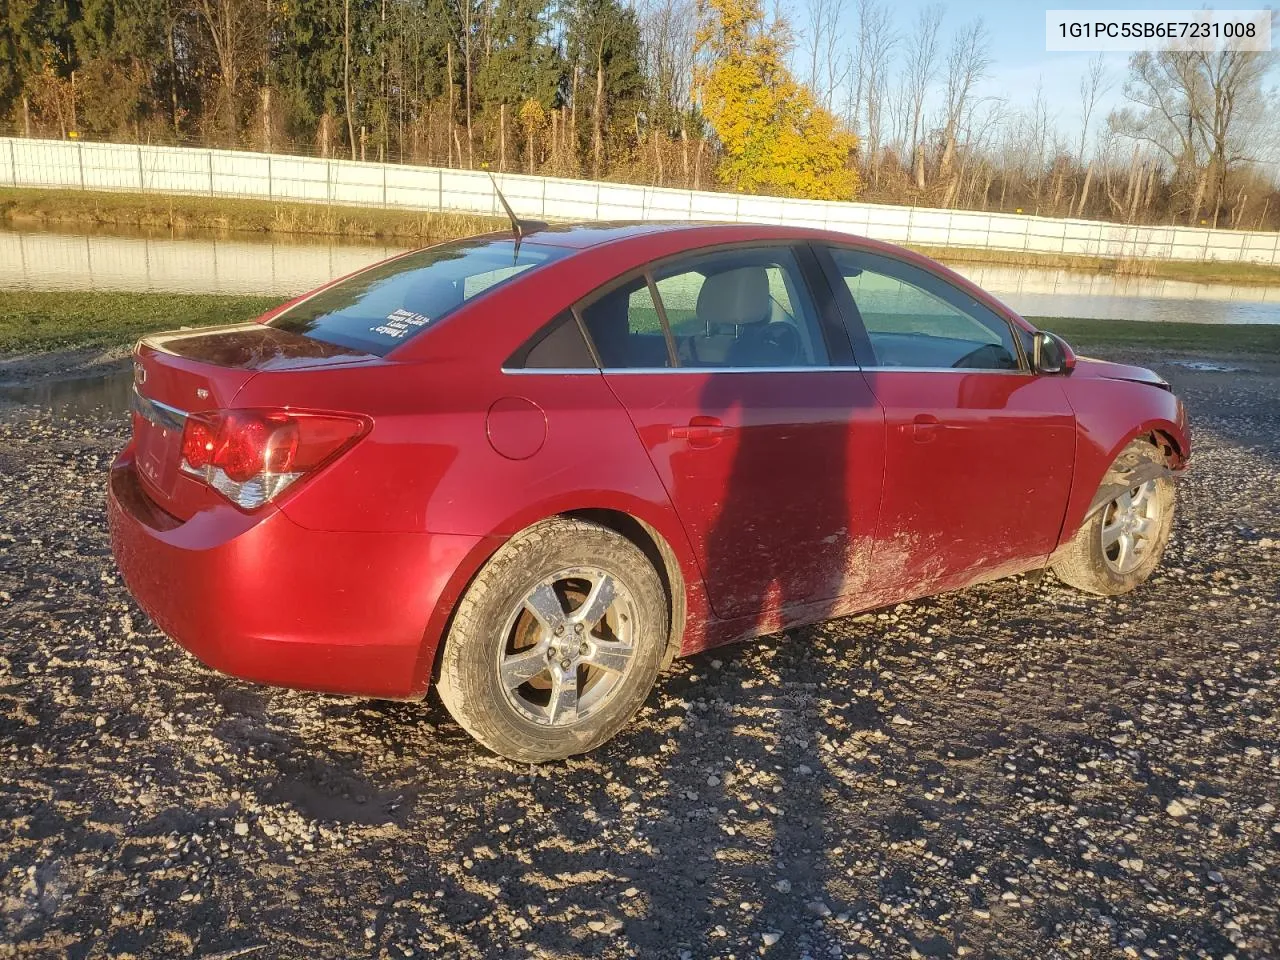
{"x":782,"y":341}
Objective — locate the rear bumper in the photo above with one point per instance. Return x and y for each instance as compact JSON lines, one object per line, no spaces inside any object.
{"x":259,"y":597}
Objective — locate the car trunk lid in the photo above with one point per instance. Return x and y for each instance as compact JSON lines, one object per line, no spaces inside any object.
{"x":176,"y":374}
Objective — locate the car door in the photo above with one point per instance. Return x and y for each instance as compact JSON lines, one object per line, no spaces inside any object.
{"x":769,"y":443}
{"x":979,"y":449}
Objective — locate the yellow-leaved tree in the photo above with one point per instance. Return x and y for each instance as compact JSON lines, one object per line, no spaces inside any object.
{"x":774,"y":136}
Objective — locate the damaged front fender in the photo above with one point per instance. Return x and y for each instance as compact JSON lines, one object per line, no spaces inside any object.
{"x":1118,"y":481}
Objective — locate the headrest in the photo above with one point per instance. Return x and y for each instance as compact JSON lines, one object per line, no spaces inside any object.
{"x":738,"y":296}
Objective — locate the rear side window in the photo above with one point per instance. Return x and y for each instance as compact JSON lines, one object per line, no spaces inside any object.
{"x":625,"y":327}
{"x":558,"y":346}
{"x":387,"y":305}
{"x":741,"y":308}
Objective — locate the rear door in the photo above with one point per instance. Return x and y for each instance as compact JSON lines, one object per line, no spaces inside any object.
{"x":979,"y":450}
{"x":768,"y":440}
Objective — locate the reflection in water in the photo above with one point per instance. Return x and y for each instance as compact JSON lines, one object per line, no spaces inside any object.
{"x":203,"y":263}
{"x":161,"y":263}
{"x":1074,"y":293}
{"x":101,"y":392}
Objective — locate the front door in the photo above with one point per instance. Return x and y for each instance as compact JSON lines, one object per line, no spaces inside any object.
{"x":979,"y":450}
{"x":772,"y":456}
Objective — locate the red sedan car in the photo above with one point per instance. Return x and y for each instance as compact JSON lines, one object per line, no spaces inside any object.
{"x":533,"y":470}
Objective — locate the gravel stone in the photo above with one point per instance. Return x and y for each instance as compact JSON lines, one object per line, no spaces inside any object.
{"x":1024,"y":812}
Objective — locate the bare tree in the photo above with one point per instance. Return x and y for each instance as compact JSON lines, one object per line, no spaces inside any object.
{"x":235,"y":30}
{"x":875,"y":43}
{"x":922,"y":67}
{"x":1206,"y":112}
{"x":986,"y":124}
{"x":828,"y":66}
{"x":967,"y":64}
{"x":346,"y":74}
{"x":468,"y":30}
{"x":1040,"y":133}
{"x":1093,"y":85}
{"x":1163,"y":89}
{"x":597,"y":109}
{"x":1233,"y":79}
{"x":667,"y":28}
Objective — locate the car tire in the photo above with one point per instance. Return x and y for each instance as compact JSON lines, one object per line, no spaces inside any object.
{"x":1121,"y":543}
{"x":529,"y":604}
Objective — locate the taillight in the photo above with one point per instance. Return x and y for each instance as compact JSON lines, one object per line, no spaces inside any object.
{"x":251,"y":456}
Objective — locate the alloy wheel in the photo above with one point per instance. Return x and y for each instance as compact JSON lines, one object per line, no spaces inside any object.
{"x":1130,"y":526}
{"x":568,"y":646}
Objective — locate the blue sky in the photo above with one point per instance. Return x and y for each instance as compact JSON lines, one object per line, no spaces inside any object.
{"x":1019,"y":58}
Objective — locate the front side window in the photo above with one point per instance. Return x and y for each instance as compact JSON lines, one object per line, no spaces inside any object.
{"x":389,"y":304}
{"x":740,"y":308}
{"x":916,"y":319}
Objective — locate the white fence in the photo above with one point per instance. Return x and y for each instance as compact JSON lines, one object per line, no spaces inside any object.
{"x":225,"y":173}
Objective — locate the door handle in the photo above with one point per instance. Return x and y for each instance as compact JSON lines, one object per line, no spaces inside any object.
{"x":700,"y":432}
{"x":925,"y":427}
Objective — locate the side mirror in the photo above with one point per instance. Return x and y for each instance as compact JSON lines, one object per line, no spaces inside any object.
{"x":1051,"y":354}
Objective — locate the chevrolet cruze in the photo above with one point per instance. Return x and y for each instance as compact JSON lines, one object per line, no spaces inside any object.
{"x":530,"y":469}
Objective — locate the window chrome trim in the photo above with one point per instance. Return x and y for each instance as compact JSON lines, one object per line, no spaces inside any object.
{"x":554,"y":371}
{"x":160,"y":414}
{"x":564,"y":371}
{"x":733,"y":370}
{"x":1019,"y":372}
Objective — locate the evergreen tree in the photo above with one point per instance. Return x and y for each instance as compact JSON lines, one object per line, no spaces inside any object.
{"x":37,"y":53}
{"x":307,"y":70}
{"x":120,"y":46}
{"x":522,"y":64}
{"x":604,"y":38}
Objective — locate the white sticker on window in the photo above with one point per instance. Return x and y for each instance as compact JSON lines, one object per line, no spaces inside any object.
{"x":400,"y":322}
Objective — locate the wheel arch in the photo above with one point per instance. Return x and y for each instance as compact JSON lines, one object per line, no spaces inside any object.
{"x":643,"y":533}
{"x":1171,"y":437}
{"x":1165,"y":434}
{"x":660,"y":553}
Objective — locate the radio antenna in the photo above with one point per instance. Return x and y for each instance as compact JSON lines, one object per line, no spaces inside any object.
{"x":520,"y":228}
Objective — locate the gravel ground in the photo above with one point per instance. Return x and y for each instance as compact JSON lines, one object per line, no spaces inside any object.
{"x":1017,"y":770}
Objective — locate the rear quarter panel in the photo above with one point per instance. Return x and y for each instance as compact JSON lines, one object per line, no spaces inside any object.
{"x":427,"y":465}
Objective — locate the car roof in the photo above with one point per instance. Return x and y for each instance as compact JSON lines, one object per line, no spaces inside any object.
{"x":580,"y":236}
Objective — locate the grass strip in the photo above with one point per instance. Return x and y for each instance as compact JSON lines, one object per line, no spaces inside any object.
{"x":38,"y":321}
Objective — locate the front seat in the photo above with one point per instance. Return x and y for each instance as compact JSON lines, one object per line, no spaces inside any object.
{"x":739,"y":297}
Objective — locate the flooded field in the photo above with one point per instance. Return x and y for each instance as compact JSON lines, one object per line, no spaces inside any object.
{"x":137,"y":261}
{"x":105,"y":390}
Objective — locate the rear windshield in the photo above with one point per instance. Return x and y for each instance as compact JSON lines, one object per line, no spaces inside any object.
{"x":383,"y":307}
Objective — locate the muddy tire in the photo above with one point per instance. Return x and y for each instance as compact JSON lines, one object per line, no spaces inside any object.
{"x":556,"y":643}
{"x":1119,"y":546}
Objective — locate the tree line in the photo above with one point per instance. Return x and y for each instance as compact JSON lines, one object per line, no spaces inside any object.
{"x":1194,"y":140}
{"x":675,"y":93}
{"x":850,"y":98}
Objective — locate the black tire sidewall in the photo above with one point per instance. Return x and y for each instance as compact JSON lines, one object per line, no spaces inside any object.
{"x":1109,"y":581}
{"x":476,"y":697}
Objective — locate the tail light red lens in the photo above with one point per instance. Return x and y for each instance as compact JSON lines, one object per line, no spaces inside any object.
{"x":197,"y":442}
{"x":251,"y":456}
